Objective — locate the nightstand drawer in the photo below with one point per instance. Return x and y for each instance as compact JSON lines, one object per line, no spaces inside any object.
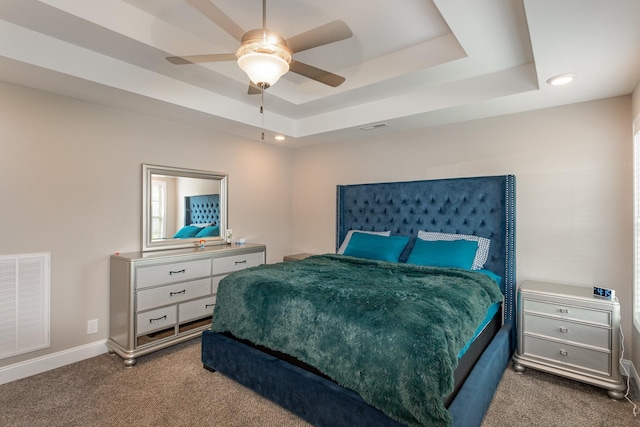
{"x":169,"y":273}
{"x":567,"y":354}
{"x":171,"y":294}
{"x":567,"y":311}
{"x":156,"y":319}
{"x":562,"y":329}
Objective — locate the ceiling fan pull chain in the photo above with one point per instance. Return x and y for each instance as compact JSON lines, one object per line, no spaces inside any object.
{"x":262,"y":111}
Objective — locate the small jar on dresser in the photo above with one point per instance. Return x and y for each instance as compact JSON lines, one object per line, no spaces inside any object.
{"x":162,"y":298}
{"x":567,"y":331}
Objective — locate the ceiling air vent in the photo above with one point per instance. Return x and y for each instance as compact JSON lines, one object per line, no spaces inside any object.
{"x":376,"y":126}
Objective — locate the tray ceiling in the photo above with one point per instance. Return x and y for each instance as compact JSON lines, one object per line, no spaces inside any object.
{"x":409,"y":64}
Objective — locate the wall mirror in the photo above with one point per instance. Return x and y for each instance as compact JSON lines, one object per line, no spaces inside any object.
{"x":182,"y":208}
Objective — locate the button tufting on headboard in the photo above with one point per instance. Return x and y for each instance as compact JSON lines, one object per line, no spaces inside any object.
{"x":481,"y":206}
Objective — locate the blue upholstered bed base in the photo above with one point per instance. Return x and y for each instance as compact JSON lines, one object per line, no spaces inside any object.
{"x":324,"y":403}
{"x":483,"y":206}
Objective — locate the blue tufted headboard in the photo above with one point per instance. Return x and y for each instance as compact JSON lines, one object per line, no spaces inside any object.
{"x":482,"y":206}
{"x":203,"y":209}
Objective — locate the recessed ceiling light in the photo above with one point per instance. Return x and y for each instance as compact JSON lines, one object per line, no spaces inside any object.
{"x":279,"y":137}
{"x":561,"y":79}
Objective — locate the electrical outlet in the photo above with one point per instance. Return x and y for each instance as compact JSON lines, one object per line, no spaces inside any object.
{"x":92,"y":326}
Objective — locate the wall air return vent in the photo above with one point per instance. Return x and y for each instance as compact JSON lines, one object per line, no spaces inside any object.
{"x":24,"y":303}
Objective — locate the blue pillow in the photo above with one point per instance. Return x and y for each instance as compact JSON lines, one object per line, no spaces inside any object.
{"x":186,"y":232}
{"x":374,"y":246}
{"x":442,"y":253}
{"x":212,"y":231}
{"x":491,"y":274}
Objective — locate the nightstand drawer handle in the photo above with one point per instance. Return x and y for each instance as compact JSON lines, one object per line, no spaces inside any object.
{"x":171,"y":273}
{"x":564,"y":310}
{"x":177,"y":293}
{"x":564,"y":352}
{"x":563,"y":329}
{"x":244,"y":261}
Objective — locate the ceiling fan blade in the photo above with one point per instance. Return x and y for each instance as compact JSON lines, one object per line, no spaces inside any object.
{"x":218,"y":17}
{"x":325,"y":34}
{"x":316,"y":74}
{"x":253,"y":89}
{"x":195,"y":59}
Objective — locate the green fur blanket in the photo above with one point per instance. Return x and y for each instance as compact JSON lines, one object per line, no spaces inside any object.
{"x":390,"y":332}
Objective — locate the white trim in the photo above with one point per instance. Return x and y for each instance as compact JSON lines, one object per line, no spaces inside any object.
{"x":636,"y":124}
{"x":51,"y":361}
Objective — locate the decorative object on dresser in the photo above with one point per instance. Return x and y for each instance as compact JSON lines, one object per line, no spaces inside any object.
{"x":159,"y":299}
{"x":567,"y":331}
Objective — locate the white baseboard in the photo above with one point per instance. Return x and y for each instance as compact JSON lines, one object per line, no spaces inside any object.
{"x":51,"y":361}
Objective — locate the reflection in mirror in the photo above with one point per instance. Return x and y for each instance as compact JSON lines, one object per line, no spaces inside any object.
{"x":182,"y":208}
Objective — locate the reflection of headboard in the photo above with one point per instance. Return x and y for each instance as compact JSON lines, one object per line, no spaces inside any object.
{"x":202,"y":209}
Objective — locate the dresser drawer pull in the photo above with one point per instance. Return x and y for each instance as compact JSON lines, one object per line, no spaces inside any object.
{"x":564,"y":330}
{"x":209,"y":305}
{"x":159,"y":318}
{"x":177,"y":293}
{"x":564,"y":310}
{"x":244,"y":261}
{"x":171,"y":273}
{"x":564,"y":352}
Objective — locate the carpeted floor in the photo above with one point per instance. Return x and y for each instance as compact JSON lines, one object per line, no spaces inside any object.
{"x":171,"y":388}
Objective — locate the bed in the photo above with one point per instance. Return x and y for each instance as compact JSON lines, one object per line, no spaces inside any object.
{"x":483,"y":207}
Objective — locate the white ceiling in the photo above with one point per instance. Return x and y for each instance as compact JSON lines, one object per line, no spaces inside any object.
{"x":410,"y":63}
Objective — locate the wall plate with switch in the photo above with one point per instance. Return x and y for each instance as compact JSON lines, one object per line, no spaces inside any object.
{"x":92,"y":326}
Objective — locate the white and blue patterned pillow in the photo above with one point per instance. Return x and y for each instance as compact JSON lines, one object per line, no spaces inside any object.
{"x":483,"y":244}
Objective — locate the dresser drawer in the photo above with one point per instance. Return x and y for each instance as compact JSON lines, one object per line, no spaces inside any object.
{"x":562,"y":329}
{"x":237,"y":262}
{"x":567,"y":311}
{"x":202,"y":307}
{"x":171,"y":294}
{"x":569,"y":355}
{"x":169,"y":273}
{"x":216,"y":282}
{"x":156,"y":319}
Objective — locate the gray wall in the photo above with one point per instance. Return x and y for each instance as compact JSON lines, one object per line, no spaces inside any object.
{"x":71,"y":185}
{"x":573,"y":167}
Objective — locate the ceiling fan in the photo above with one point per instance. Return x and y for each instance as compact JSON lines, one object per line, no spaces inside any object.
{"x":265,"y":55}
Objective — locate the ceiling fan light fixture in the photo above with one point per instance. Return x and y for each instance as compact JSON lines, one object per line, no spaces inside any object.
{"x":263,"y":69}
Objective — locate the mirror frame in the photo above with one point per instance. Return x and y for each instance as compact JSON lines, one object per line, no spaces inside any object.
{"x":155,"y":245}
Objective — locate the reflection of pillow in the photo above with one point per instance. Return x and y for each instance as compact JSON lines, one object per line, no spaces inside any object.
{"x":483,"y":244}
{"x":186,"y":232}
{"x":209,"y":232}
{"x":202,"y":224}
{"x":375,"y":246}
{"x":345,"y":242}
{"x":442,"y":253}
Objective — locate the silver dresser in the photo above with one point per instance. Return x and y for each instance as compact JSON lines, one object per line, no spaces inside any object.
{"x":566,"y":331}
{"x":162,"y":298}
